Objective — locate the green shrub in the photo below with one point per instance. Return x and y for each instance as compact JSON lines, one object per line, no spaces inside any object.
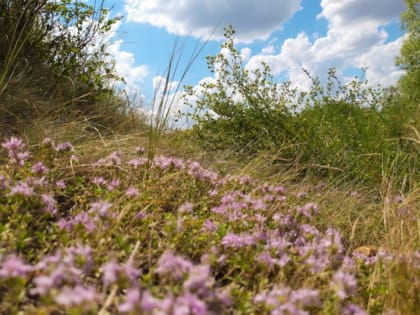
{"x":350,"y":129}
{"x":53,"y":62}
{"x":241,"y":110}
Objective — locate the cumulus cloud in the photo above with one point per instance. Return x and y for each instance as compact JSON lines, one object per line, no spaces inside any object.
{"x":251,"y":19}
{"x":125,"y":65}
{"x":355,"y":37}
{"x":359,"y":11}
{"x":125,"y":62}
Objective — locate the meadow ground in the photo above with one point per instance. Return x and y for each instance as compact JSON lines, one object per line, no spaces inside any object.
{"x":97,"y":226}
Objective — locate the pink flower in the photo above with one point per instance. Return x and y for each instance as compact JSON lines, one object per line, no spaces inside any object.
{"x":48,"y":142}
{"x":64,"y":147}
{"x":14,"y":267}
{"x":286,"y":301}
{"x":77,"y":296}
{"x":23,"y":189}
{"x":186,"y":207}
{"x":110,"y":272}
{"x":99,"y":181}
{"x":137,"y":162}
{"x":84,"y":219}
{"x":60,"y":184}
{"x":199,"y":280}
{"x":308,"y":209}
{"x":39,"y":168}
{"x":131,"y":303}
{"x":43,"y":285}
{"x":113,"y":272}
{"x":13,"y":144}
{"x":344,"y":283}
{"x":189,"y":304}
{"x":237,"y":240}
{"x":132,"y":192}
{"x":173,"y":265}
{"x":100,"y":208}
{"x":149,"y":302}
{"x":114,"y":183}
{"x":353,"y":309}
{"x":50,"y":203}
{"x":209,"y":226}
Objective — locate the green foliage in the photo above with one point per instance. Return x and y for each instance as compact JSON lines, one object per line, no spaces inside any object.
{"x":333,"y":129}
{"x":409,"y":60}
{"x":53,"y":61}
{"x":241,"y":109}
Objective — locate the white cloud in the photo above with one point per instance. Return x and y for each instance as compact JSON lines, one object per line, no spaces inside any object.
{"x":125,"y":63}
{"x":245,"y":53}
{"x":359,"y":11}
{"x":379,"y":61}
{"x":251,"y":19}
{"x":355,"y":37}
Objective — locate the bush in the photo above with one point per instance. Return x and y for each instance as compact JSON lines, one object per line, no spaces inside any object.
{"x":349,"y":129}
{"x":53,"y":62}
{"x":241,"y":110}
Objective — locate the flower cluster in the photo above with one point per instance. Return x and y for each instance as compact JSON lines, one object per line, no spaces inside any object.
{"x":234,"y":244}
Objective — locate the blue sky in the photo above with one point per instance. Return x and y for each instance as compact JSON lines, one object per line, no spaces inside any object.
{"x":286,"y":34}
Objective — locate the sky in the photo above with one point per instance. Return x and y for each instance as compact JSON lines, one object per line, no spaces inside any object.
{"x":288,"y":35}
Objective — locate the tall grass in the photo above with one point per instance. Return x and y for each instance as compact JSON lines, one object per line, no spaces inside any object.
{"x":166,"y":95}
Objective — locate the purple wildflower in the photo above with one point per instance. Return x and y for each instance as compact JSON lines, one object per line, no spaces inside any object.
{"x":189,"y":304}
{"x":194,"y":166}
{"x":14,"y":267}
{"x":48,"y":142}
{"x":280,"y":190}
{"x":245,"y":180}
{"x":64,"y":224}
{"x":50,"y":203}
{"x":137,"y":162}
{"x":86,"y":220}
{"x":100,"y":208}
{"x":186,"y":207}
{"x":209,"y":226}
{"x":213,"y":192}
{"x":149,"y":302}
{"x":110,"y":272}
{"x":82,"y":255}
{"x":130,"y":273}
{"x":43,"y":285}
{"x":132,"y":192}
{"x":60,"y":184}
{"x":113,"y":272}
{"x":237,"y":240}
{"x":65,"y":147}
{"x":131,"y":303}
{"x":13,"y":144}
{"x":23,"y":189}
{"x":353,"y":309}
{"x":77,"y":296}
{"x":114,"y":183}
{"x":39,"y":168}
{"x":172,"y":265}
{"x":38,"y":182}
{"x":99,"y":181}
{"x":344,"y":283}
{"x":286,"y":301}
{"x":308,"y":209}
{"x":258,"y":204}
{"x":199,"y":280}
